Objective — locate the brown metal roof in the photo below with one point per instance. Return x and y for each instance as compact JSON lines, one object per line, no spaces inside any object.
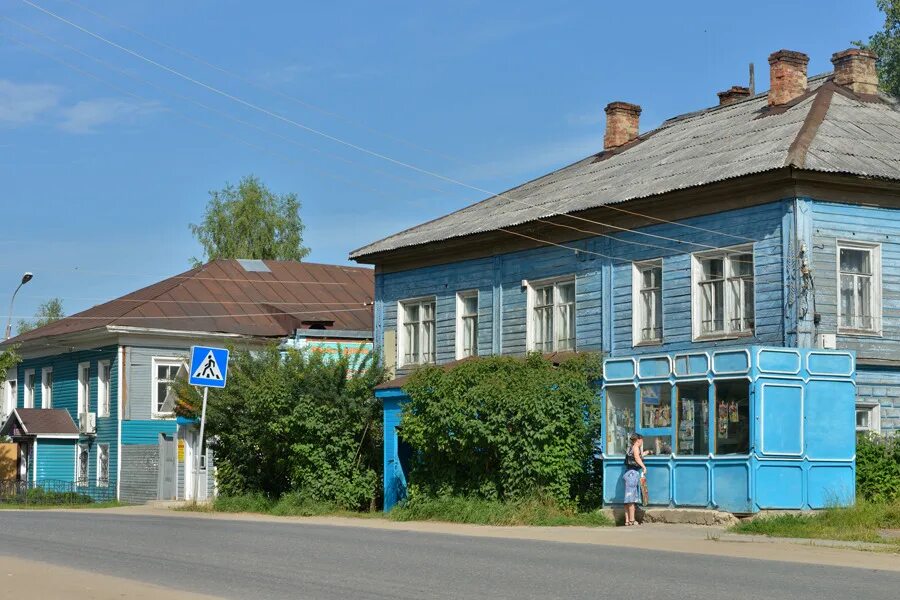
{"x":45,"y":421}
{"x":224,"y":297}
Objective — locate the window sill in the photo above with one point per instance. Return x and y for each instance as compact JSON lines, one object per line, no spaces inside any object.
{"x":648,"y":343}
{"x":860,"y":333}
{"x":162,"y":416}
{"x":717,"y":337}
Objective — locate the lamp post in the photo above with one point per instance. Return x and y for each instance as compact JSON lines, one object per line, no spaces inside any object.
{"x":25,"y":279}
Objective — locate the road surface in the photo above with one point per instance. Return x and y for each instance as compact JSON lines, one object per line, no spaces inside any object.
{"x":264,"y":560}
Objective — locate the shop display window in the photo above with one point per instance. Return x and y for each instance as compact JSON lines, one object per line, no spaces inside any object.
{"x":620,"y":418}
{"x":656,"y":406}
{"x":732,"y":417}
{"x":658,"y":445}
{"x":692,"y":418}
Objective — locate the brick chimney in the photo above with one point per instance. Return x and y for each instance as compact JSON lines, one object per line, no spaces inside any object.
{"x":621,"y":124}
{"x":735,"y":93}
{"x":787,"y":76}
{"x":855,"y":69}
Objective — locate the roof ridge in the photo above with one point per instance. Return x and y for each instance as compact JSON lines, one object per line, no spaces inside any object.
{"x":796,"y":155}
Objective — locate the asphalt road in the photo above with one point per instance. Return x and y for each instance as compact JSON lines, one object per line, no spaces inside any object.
{"x":250,"y":560}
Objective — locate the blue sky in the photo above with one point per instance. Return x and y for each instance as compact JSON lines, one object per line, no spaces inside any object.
{"x":104,"y":164}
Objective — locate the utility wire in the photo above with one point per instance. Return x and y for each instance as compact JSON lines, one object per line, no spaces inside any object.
{"x":339,"y":116}
{"x":214,"y":110}
{"x":330,"y":137}
{"x":264,"y":88}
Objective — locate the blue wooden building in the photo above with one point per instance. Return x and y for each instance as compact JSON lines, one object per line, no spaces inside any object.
{"x":766,"y":220}
{"x":90,"y":403}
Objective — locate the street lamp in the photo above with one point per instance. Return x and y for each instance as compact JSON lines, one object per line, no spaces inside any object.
{"x":25,"y":279}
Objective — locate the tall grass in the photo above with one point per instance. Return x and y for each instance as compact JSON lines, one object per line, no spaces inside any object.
{"x":861,"y":522}
{"x":456,"y":509}
{"x":288,"y":505}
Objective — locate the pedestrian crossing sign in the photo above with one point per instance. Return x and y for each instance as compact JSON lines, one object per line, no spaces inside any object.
{"x":209,"y":366}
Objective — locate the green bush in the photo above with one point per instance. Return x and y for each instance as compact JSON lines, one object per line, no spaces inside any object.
{"x":878,"y":468}
{"x":506,"y":429}
{"x":39,"y":495}
{"x":295,"y":422}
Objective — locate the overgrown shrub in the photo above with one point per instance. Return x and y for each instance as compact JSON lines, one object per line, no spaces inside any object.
{"x":295,"y":422}
{"x":878,"y":467}
{"x":506,"y":429}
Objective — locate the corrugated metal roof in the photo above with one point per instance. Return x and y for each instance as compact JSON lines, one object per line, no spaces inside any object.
{"x":724,"y":142}
{"x":222,"y":297}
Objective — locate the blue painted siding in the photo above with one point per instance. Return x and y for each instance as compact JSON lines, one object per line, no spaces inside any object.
{"x":65,"y":396}
{"x":761,"y":223}
{"x":881,"y":385}
{"x":603,"y":320}
{"x":146,"y":431}
{"x":56,"y":460}
{"x":833,"y":222}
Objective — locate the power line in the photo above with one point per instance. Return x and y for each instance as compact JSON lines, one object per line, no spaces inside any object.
{"x":221,"y":316}
{"x":262,"y":87}
{"x":330,"y":137}
{"x":194,"y":121}
{"x":212,"y":109}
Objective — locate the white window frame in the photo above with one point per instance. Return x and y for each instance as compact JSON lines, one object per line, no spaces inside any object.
{"x":102,"y":451}
{"x":460,"y":325}
{"x":81,"y":479}
{"x":637,"y":304}
{"x":874,"y":410}
{"x":84,"y":385}
{"x":402,"y":342}
{"x":103,"y":391}
{"x":28,"y":391}
{"x":728,"y":275}
{"x":161,"y":361}
{"x":530,"y":333}
{"x":47,"y":387}
{"x":876,"y":302}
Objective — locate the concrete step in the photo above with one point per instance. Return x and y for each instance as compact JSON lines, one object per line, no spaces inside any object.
{"x":680,"y":516}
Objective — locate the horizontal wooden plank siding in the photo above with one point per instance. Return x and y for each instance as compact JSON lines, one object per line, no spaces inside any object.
{"x":65,"y":396}
{"x":881,"y":386}
{"x":146,"y":431}
{"x":674,"y":243}
{"x":761,"y":224}
{"x":139,"y":377}
{"x":56,"y":460}
{"x":833,"y":222}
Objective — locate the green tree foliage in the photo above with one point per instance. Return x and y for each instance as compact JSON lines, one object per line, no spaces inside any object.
{"x":249,"y":221}
{"x":878,"y":468}
{"x":507,"y":429}
{"x":295,"y":422}
{"x":8,"y":359}
{"x":886,"y":44}
{"x":49,"y":311}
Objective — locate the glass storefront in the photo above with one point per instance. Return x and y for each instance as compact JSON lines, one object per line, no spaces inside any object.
{"x":692,"y":418}
{"x":732,"y":417}
{"x":619,"y":418}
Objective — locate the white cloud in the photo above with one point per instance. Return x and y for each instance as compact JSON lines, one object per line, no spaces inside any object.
{"x":87,"y":116}
{"x":23,"y":103}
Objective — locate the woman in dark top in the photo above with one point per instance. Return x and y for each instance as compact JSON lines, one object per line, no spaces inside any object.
{"x":635,"y":469}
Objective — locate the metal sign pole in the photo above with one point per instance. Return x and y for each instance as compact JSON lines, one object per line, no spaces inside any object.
{"x":199,"y":449}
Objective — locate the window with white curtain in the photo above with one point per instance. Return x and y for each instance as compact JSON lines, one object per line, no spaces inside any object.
{"x":647,"y":306}
{"x":47,"y":387}
{"x":84,"y":387}
{"x":551,"y":324}
{"x":103,"y":373}
{"x":859,"y":284}
{"x":466,"y":324}
{"x":723,"y":293}
{"x":102,"y":465}
{"x":28,"y":398}
{"x":416,"y":324}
